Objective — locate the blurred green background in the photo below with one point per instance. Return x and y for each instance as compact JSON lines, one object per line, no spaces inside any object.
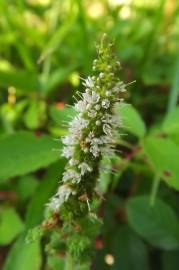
{"x":45,"y":47}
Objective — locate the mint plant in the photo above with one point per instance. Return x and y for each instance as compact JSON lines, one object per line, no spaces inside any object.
{"x":71,"y":212}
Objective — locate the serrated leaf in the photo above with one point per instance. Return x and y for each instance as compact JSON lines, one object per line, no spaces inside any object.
{"x":157,"y":224}
{"x":131,"y":120}
{"x":164,"y":156}
{"x":23,"y":256}
{"x":24,"y":152}
{"x":10,"y":225}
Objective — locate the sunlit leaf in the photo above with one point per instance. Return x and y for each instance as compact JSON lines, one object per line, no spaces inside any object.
{"x":24,"y":152}
{"x":10,"y":225}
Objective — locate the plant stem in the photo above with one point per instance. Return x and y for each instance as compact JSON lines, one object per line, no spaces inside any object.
{"x":69,"y":264}
{"x":154,"y":190}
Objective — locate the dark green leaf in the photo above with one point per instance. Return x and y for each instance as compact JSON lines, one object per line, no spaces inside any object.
{"x":157,"y":224}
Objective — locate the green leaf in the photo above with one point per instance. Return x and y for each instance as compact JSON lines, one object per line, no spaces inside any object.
{"x":26,"y":186}
{"x":131,"y":120}
{"x":59,"y":116}
{"x":36,"y":207}
{"x":164,"y":156}
{"x":10,"y":225}
{"x":170,"y":260}
{"x":23,"y":80}
{"x":55,"y":262}
{"x":23,"y":256}
{"x":170,"y":124}
{"x":129,"y":251}
{"x":35,"y":114}
{"x":58,"y":77}
{"x":157,"y":224}
{"x":24,"y":152}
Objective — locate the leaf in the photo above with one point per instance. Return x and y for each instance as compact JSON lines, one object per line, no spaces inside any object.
{"x":26,"y":186}
{"x":58,"y":77}
{"x":23,"y":256}
{"x":36,"y":207}
{"x":164,"y":156}
{"x":170,"y":260}
{"x":59,"y":116}
{"x":24,"y":152}
{"x":10,"y":225}
{"x":157,"y":224}
{"x":23,"y":80}
{"x":170,"y":124}
{"x":131,"y":120}
{"x":128,"y":250}
{"x":35,"y":114}
{"x":55,"y":262}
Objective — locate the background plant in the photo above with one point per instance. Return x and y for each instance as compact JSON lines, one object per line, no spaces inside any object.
{"x":44,"y":46}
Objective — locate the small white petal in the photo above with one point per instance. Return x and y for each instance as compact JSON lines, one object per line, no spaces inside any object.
{"x":105,"y":103}
{"x":98,"y":123}
{"x":68,"y":151}
{"x":107,"y":129}
{"x":84,"y":168}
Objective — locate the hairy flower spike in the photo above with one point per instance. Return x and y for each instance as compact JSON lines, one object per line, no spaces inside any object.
{"x":91,"y":135}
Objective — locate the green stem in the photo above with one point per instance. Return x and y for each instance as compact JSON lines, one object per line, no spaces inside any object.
{"x":69,"y":263}
{"x":154,"y":190}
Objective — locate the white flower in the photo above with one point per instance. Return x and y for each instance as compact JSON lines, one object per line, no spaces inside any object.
{"x":81,"y":106}
{"x":73,"y":162}
{"x":92,"y":113}
{"x":105,"y":103}
{"x":101,"y":75}
{"x":68,"y":151}
{"x":89,"y":82}
{"x":110,"y":119}
{"x":89,"y":137}
{"x":77,"y":125}
{"x":71,"y":175}
{"x":69,"y":140}
{"x":92,"y":97}
{"x":55,"y":203}
{"x":84,"y":168}
{"x":107,"y":129}
{"x":95,"y":150}
{"x":95,"y":97}
{"x":97,"y":107}
{"x":98,"y":123}
{"x":60,"y":197}
{"x":97,"y":141}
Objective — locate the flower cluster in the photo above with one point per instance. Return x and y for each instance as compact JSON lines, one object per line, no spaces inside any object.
{"x":92,"y":132}
{"x":91,"y":135}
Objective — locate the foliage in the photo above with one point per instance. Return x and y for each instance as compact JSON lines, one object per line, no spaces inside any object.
{"x":44,"y":46}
